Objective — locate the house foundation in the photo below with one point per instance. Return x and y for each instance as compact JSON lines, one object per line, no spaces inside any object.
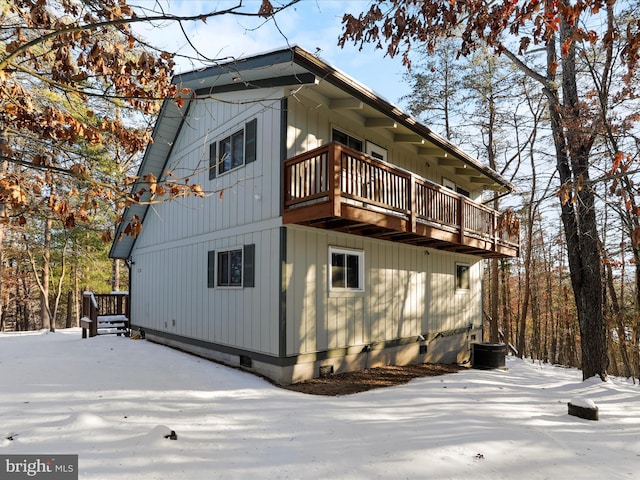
{"x":446,"y":348}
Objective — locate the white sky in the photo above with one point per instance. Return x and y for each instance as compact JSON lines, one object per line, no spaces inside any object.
{"x":311,"y":24}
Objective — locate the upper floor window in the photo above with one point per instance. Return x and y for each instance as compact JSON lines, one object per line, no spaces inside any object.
{"x":233,"y":151}
{"x":344,"y":138}
{"x":451,"y":185}
{"x":463,"y":191}
{"x":376,"y":151}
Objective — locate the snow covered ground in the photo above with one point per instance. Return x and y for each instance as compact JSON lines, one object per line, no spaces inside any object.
{"x":112,"y":400}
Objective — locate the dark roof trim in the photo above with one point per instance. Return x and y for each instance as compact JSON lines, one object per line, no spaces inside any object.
{"x":262,"y":83}
{"x":237,"y":66}
{"x":127,"y":214}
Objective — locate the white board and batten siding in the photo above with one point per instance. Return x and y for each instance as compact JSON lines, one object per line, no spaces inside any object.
{"x":243,"y":196}
{"x":178,"y":300}
{"x":408,"y":291}
{"x":310,"y":126}
{"x":241,"y":208}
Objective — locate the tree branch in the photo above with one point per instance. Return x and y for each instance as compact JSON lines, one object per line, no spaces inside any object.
{"x":4,"y":62}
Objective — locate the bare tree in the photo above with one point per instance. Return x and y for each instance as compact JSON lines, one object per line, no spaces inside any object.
{"x":558,"y":28}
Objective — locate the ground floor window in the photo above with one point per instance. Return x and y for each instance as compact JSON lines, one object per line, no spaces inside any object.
{"x":234,"y":267}
{"x":346,"y":269}
{"x":230,"y":268}
{"x":462,"y":276}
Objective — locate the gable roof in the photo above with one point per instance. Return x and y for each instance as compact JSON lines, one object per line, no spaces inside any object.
{"x":288,"y":66}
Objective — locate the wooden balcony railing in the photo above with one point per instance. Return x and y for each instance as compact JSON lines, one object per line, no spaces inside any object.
{"x":336,"y":188}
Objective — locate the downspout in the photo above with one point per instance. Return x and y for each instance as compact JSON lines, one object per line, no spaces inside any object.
{"x":282,"y":263}
{"x":129,"y":262}
{"x":482,"y":280}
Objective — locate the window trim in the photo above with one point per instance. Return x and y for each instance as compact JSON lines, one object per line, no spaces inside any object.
{"x":249,"y":133}
{"x":248,"y":267}
{"x":449,"y":184}
{"x":463,"y":270}
{"x":376,"y":151}
{"x":220,"y":161}
{"x":350,"y":135}
{"x":218,"y":265}
{"x":346,"y":251}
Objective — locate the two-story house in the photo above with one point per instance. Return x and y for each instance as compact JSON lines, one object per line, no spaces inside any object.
{"x":337,"y":232}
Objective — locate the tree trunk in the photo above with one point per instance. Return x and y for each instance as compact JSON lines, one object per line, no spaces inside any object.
{"x":3,"y":215}
{"x":77,"y":296}
{"x":506,"y":302}
{"x":577,"y":200}
{"x":535,"y":318}
{"x":46,"y":268}
{"x":69,"y":322}
{"x":491,"y":156}
{"x":115,"y":275}
{"x":636,"y":315}
{"x":527,"y":285}
{"x":619,"y":320}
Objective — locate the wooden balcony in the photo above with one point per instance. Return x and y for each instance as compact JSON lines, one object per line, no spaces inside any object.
{"x":335,"y":188}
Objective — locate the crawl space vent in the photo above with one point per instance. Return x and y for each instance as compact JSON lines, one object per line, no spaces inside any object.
{"x":423,"y":349}
{"x":245,"y":361}
{"x":326,"y":371}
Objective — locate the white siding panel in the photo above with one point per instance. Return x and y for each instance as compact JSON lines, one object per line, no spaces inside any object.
{"x":174,"y":282}
{"x":245,"y":195}
{"x":375,"y":285}
{"x":408,"y":291}
{"x":308,"y":125}
{"x":169,"y":278}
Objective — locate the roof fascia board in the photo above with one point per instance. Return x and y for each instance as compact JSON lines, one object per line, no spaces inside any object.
{"x":257,"y":84}
{"x":236,"y":65}
{"x":143,"y":171}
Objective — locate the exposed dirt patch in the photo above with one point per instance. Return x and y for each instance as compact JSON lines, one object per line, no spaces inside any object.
{"x":363,"y":380}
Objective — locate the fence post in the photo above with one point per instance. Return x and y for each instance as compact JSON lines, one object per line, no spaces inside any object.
{"x":94,"y":318}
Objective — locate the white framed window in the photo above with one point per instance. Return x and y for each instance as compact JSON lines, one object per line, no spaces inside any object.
{"x":463,"y":281}
{"x":234,"y":151}
{"x":231,"y":152}
{"x":450,"y":184}
{"x":376,"y":151}
{"x":229,"y":271}
{"x":231,"y":267}
{"x":346,"y":270}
